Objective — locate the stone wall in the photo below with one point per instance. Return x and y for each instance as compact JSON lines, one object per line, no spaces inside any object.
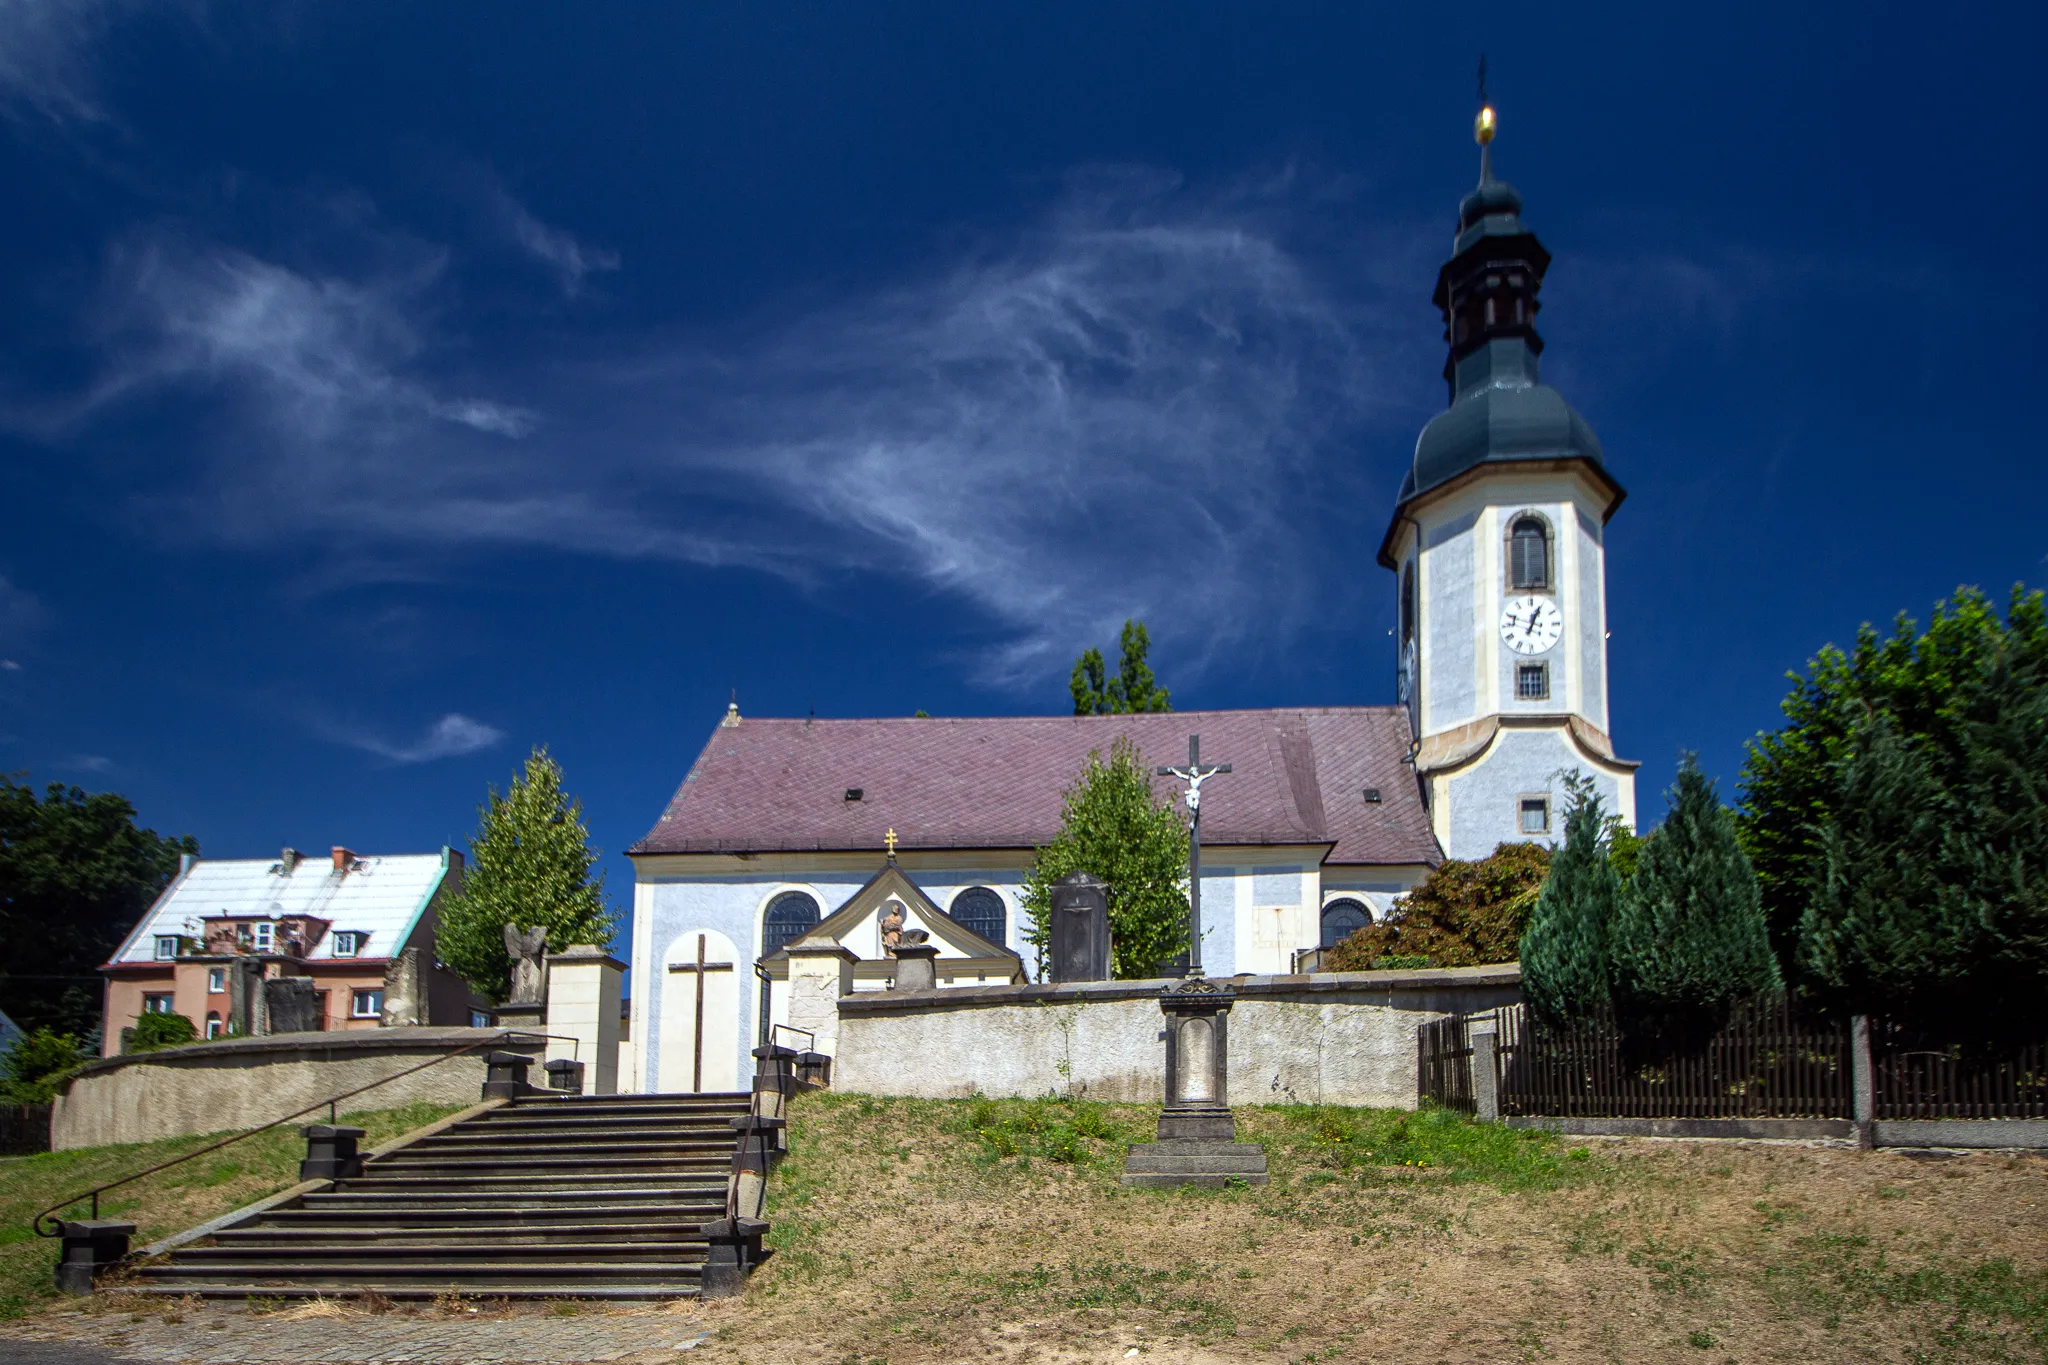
{"x":241,"y":1083}
{"x":1331,"y":1038}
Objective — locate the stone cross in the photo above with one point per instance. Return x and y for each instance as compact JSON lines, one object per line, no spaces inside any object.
{"x":1195,"y":775}
{"x":529,"y":967}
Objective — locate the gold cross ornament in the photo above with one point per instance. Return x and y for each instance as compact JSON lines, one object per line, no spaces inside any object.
{"x":890,"y":840}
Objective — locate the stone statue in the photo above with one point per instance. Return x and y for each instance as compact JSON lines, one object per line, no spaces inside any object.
{"x":529,"y":968}
{"x":892,"y":925}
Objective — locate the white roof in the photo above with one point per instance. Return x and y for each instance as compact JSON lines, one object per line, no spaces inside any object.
{"x":379,"y":896}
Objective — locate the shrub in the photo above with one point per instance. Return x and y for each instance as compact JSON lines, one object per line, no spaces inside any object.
{"x":153,"y":1031}
{"x":1564,"y":952}
{"x":1463,"y":914}
{"x":32,"y":1067}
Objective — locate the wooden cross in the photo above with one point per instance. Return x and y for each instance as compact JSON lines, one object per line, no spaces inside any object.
{"x":698,"y":968}
{"x":889,"y":840}
{"x":1195,"y":774}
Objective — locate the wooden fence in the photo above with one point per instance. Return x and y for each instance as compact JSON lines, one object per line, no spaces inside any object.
{"x":24,"y":1128}
{"x":1771,"y":1061}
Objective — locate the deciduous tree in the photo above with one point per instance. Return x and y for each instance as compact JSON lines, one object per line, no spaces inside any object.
{"x":530,"y":862}
{"x":1463,"y":914}
{"x":1113,"y":825}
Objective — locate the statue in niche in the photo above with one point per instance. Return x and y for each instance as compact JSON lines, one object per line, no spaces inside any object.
{"x":892,"y":925}
{"x":529,"y":966}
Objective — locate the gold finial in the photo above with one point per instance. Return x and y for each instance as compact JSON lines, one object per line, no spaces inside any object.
{"x":1483,"y":125}
{"x":889,"y":839}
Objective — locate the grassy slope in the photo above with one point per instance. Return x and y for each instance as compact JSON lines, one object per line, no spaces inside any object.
{"x":161,"y":1204}
{"x":915,"y":1231}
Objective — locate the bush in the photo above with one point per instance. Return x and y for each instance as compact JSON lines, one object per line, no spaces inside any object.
{"x":1463,"y":914}
{"x":153,"y":1031}
{"x":1564,"y":952}
{"x":30,"y":1070}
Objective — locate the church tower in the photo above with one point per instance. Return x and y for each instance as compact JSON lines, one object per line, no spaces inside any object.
{"x":1498,"y":546}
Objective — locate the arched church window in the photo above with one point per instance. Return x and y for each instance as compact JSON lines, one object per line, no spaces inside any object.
{"x":1342,"y":918}
{"x":791,"y":915}
{"x":1408,"y":602}
{"x":1529,"y":554}
{"x":981,"y":911}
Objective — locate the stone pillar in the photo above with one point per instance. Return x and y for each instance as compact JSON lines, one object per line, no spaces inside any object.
{"x":1485,"y":1035}
{"x":820,"y":971}
{"x":1197,"y":1062}
{"x":91,"y":1248}
{"x":245,"y":997}
{"x":1862,"y":1082}
{"x":565,"y":1075}
{"x":916,"y":967}
{"x":290,"y":1006}
{"x":1080,"y":928}
{"x":405,"y":994}
{"x":506,"y":1077}
{"x":330,"y":1152}
{"x":583,"y":1004}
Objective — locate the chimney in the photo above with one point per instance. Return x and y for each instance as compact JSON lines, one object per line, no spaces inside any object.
{"x":343,"y":858}
{"x":289,"y":860}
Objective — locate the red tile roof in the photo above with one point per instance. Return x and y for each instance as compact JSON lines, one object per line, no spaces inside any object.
{"x":1298,"y":777}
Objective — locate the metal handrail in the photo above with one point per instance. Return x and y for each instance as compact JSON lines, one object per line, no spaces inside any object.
{"x":56,"y":1225}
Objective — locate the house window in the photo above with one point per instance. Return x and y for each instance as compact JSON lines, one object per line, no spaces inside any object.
{"x":156,"y":1004}
{"x":214,"y":1027}
{"x":981,"y":911}
{"x":366,"y":1005}
{"x":791,"y":915}
{"x":479,"y":1019}
{"x":1342,"y":918}
{"x":348,"y":943}
{"x":1535,"y":815}
{"x":266,"y":935}
{"x":1529,"y":553}
{"x":1532,"y":682}
{"x":216,"y":980}
{"x":166,"y":947}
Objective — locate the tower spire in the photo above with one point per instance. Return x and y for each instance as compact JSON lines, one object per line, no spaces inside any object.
{"x":1483,"y":126}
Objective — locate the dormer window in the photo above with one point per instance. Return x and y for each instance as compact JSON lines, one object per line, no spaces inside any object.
{"x":1529,"y":554}
{"x":348,"y":942}
{"x":266,"y":935}
{"x":166,"y":947}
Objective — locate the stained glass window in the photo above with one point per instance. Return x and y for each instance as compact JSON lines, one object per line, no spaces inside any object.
{"x":980,"y":910}
{"x":791,"y":915}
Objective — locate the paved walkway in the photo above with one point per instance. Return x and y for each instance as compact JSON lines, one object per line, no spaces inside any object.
{"x":229,"y":1335}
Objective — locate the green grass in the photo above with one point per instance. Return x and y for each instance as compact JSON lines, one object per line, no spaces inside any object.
{"x":161,"y":1204}
{"x":1973,"y":1302}
{"x":1064,"y":1132}
{"x":1450,"y":1145}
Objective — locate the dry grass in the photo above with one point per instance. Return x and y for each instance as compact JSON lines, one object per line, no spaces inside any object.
{"x":916,"y":1231}
{"x":162,"y":1204}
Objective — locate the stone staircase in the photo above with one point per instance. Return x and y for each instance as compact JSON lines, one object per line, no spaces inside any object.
{"x":543,"y":1197}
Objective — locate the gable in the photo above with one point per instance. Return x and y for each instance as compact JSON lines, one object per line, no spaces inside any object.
{"x":856,"y":924}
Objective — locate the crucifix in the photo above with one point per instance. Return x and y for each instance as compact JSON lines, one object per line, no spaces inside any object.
{"x":1195,"y":774}
{"x":699,"y":967}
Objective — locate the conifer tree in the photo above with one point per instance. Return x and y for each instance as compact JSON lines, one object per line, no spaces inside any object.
{"x":1113,"y":826}
{"x":1690,"y":939}
{"x":530,"y":862}
{"x":1133,"y":690}
{"x":1564,"y":951}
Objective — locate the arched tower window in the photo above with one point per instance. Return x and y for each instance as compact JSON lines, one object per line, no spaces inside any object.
{"x":791,"y":915}
{"x":1529,"y":554}
{"x":1343,"y":918}
{"x":979,"y":910}
{"x":1408,"y":602}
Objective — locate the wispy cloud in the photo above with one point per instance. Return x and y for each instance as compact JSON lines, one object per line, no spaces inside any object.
{"x":452,"y":736}
{"x":46,"y":55}
{"x":560,"y":250}
{"x":98,"y":765}
{"x":1135,"y":405}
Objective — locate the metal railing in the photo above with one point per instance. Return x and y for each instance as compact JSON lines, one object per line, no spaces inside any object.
{"x":55,"y":1226}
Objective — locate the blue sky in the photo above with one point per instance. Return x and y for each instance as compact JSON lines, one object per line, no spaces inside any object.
{"x":387,"y":388}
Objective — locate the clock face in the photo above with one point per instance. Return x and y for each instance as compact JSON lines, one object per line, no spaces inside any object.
{"x":1530,"y":625}
{"x":1406,"y":676}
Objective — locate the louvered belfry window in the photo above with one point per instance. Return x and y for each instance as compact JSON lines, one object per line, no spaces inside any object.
{"x":1529,"y":554}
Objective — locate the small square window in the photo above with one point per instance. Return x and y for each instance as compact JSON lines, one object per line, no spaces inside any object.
{"x":216,"y":980}
{"x":479,"y":1019}
{"x":1535,"y":815}
{"x":266,"y":935}
{"x":156,"y":1004}
{"x":347,"y":943}
{"x":166,"y":947}
{"x":1532,"y":682}
{"x":366,"y":1005}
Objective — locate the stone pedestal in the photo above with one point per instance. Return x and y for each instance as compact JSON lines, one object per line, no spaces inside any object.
{"x":1197,"y":1135}
{"x":583,"y":1004}
{"x":91,"y":1248}
{"x":565,"y":1075}
{"x":820,"y":971}
{"x":330,"y":1152}
{"x":917,"y":967}
{"x":506,"y":1077}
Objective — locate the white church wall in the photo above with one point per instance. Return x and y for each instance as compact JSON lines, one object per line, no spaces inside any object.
{"x":1484,"y":799}
{"x":1450,"y":626}
{"x":1591,"y":687}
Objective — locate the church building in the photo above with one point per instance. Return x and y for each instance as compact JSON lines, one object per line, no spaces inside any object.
{"x":852,"y":829}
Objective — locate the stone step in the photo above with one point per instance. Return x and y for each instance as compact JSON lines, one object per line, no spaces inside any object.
{"x":302,"y":1235}
{"x":476,"y":1277}
{"x":1173,"y":1180}
{"x":583,"y":1164}
{"x":464,"y":1215}
{"x":461,"y":1195}
{"x":538,"y":1149}
{"x":541,"y":1121}
{"x":355,"y":1255}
